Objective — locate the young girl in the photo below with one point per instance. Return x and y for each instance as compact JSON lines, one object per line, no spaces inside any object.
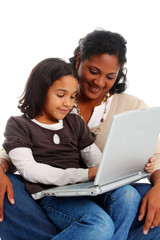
{"x":50,"y":147}
{"x":44,"y":144}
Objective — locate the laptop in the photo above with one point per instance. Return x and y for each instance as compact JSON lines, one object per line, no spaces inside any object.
{"x":130,"y":144}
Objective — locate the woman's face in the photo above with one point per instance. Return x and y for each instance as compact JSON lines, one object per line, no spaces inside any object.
{"x":97,"y":74}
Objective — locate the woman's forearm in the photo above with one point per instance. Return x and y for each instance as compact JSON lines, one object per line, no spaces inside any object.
{"x":4,"y":159}
{"x":155,"y":177}
{"x":4,"y":165}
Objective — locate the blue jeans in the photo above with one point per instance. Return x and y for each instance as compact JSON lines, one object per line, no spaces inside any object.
{"x":137,"y":226}
{"x":26,"y":220}
{"x":106,"y":217}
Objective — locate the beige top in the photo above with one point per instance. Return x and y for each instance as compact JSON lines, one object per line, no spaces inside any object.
{"x":121,"y":103}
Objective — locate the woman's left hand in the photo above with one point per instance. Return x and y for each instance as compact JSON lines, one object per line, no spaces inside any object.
{"x":150,"y":165}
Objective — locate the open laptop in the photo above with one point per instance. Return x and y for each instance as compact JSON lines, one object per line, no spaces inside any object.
{"x":130,"y":144}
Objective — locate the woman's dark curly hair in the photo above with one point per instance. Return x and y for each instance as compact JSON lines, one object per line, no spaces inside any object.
{"x":102,"y":42}
{"x":41,"y":78}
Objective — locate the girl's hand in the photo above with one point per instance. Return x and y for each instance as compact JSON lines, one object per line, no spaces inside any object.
{"x":92,"y":173}
{"x":150,"y":165}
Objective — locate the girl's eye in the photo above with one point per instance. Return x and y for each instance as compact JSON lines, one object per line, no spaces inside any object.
{"x":60,"y":96}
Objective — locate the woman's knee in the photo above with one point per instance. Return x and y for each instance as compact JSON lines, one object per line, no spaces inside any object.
{"x":129,"y":196}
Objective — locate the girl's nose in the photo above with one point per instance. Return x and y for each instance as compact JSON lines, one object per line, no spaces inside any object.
{"x":68,"y":102}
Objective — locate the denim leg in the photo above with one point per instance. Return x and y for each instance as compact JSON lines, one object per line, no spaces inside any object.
{"x":78,"y":218}
{"x":137,"y":226}
{"x":122,"y":205}
{"x":25,"y":220}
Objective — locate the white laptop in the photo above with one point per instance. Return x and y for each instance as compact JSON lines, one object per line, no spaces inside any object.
{"x":130,"y":144}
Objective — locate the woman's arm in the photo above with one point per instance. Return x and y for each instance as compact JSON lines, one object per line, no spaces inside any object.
{"x":5,"y":186}
{"x":4,"y":165}
{"x":9,"y":166}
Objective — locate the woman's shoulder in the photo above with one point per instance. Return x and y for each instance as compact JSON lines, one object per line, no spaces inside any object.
{"x":124,"y":100}
{"x":126,"y":96}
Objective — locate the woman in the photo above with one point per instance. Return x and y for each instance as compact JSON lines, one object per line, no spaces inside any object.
{"x":99,"y":62}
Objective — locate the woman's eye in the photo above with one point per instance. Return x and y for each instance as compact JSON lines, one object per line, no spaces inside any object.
{"x":110,"y":78}
{"x":93,"y":72}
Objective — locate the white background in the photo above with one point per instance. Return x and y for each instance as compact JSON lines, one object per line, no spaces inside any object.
{"x":31,"y":30}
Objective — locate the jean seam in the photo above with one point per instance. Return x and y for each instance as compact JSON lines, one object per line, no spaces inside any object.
{"x":66,"y":229}
{"x":53,"y":210}
{"x":112,"y":199}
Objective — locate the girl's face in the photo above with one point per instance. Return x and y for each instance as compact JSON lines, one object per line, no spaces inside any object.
{"x":97,"y":75}
{"x":59,"y":100}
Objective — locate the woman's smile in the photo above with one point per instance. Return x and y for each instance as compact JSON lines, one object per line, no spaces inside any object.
{"x":93,"y":89}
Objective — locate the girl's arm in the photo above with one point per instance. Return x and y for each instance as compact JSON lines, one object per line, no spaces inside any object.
{"x":91,"y":156}
{"x":36,"y":172}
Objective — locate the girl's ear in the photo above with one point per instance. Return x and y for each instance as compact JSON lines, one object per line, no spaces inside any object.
{"x":78,"y":60}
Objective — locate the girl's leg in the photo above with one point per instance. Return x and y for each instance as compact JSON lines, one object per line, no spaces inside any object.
{"x":137,"y":226}
{"x":25,"y":219}
{"x":78,"y":218}
{"x":122,"y":206}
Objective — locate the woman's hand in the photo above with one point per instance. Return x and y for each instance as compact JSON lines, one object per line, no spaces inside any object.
{"x":5,"y":187}
{"x":150,"y":165}
{"x":150,"y":205}
{"x":92,"y":173}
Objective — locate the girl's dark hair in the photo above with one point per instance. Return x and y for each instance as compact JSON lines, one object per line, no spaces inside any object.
{"x":102,"y":42}
{"x":41,"y":78}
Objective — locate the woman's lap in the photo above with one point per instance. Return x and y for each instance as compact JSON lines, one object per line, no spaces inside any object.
{"x":110,"y":214}
{"x":79,"y":218}
{"x":25,"y":219}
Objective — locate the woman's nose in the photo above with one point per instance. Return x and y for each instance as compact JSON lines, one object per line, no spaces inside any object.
{"x":100,"y":81}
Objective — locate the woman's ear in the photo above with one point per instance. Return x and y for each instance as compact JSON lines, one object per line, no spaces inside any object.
{"x":78,"y":60}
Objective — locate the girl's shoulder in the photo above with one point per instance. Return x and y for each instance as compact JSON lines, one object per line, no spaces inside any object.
{"x":19,"y":122}
{"x":73,"y":117}
{"x":21,"y":119}
{"x":76,"y":123}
